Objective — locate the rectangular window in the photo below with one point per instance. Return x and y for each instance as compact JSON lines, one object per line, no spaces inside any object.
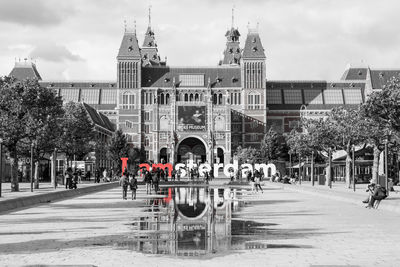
{"x":147,"y":128}
{"x":129,"y":124}
{"x":146,"y":116}
{"x":192,"y":80}
{"x":90,"y":96}
{"x":128,"y":101}
{"x":147,"y":153}
{"x":70,"y":95}
{"x":274,"y":97}
{"x":108,"y":96}
{"x":293,"y":96}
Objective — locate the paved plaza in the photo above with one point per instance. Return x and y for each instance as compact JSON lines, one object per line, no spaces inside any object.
{"x":286,"y":228}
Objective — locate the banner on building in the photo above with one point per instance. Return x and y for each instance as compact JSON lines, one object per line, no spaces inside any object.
{"x":192,"y":118}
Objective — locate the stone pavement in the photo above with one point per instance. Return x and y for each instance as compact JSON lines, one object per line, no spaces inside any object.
{"x":46,"y":193}
{"x":340,"y":192}
{"x":299,"y":230}
{"x":25,"y":189}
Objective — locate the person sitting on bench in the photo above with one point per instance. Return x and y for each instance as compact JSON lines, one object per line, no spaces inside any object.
{"x":377,"y":193}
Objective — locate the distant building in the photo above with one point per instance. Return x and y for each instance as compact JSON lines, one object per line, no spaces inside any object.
{"x":203,"y":114}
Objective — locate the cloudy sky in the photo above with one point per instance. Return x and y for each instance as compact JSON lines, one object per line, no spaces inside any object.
{"x":303,"y":39}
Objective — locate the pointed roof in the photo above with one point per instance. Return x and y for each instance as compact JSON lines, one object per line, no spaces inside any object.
{"x":253,"y":48}
{"x":25,"y":70}
{"x":149,"y":39}
{"x":129,"y":48}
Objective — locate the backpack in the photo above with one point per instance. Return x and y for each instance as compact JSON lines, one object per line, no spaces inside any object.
{"x":380,"y":193}
{"x":125,"y":182}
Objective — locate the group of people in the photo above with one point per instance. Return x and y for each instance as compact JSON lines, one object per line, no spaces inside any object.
{"x":72,"y":178}
{"x":254,"y":178}
{"x":128,"y":179}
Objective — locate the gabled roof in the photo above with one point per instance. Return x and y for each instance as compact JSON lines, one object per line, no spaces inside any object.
{"x":129,"y":48}
{"x":379,"y":78}
{"x":228,"y":76}
{"x":253,"y":48}
{"x":355,"y":74}
{"x":149,"y":40}
{"x":25,"y":70}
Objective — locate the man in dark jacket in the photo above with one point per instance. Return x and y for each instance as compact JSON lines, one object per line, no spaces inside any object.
{"x":378,"y":193}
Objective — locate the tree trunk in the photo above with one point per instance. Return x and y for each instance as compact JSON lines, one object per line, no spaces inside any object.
{"x":53,"y":169}
{"x":329,"y":170}
{"x":375,"y":166}
{"x":348,"y":165}
{"x":14,"y":172}
{"x":36,"y":175}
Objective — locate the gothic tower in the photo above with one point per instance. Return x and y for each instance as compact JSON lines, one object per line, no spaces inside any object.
{"x":129,"y":86}
{"x":232,"y":53}
{"x":253,"y":76}
{"x":150,"y":55}
{"x":253,"y":59}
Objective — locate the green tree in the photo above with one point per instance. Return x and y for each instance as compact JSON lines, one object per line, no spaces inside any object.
{"x":78,"y":133}
{"x":246,"y":155}
{"x":117,"y":149}
{"x":273,"y":146}
{"x":27,"y":110}
{"x":323,"y":137}
{"x":382,"y":115}
{"x":350,"y":128}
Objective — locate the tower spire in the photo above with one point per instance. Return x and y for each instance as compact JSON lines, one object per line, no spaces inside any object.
{"x":149,"y":15}
{"x":134,"y":26}
{"x":233,"y":16}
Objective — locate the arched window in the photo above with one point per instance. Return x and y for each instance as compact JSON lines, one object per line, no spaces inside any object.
{"x":186,"y":98}
{"x":215,"y":100}
{"x":220,"y":99}
{"x":167,"y":99}
{"x":162,"y":102}
{"x":196,"y":97}
{"x":201,"y":97}
{"x":191,"y":98}
{"x":128,"y":100}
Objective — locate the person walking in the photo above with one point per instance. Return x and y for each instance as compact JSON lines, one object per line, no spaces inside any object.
{"x":133,"y":185}
{"x":124,"y":182}
{"x":68,"y":177}
{"x":173,"y":175}
{"x":147,"y":180}
{"x":163,"y":177}
{"x":156,"y":181}
{"x":257,"y":183}
{"x":105,"y":175}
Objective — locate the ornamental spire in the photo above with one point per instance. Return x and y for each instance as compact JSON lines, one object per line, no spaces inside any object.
{"x":149,"y":16}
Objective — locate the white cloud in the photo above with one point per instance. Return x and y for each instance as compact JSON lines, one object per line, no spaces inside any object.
{"x":304,"y":39}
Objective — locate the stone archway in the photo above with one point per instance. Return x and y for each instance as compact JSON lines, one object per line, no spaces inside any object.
{"x":191,"y":149}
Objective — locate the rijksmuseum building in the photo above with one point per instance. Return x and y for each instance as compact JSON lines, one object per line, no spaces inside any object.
{"x":176,"y":114}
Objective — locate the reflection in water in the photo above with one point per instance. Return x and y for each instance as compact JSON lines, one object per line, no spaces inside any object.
{"x":190,"y":221}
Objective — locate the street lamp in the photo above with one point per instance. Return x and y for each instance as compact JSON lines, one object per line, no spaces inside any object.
{"x":1,"y":163}
{"x":312,"y":167}
{"x":32,"y":146}
{"x":354,"y":169}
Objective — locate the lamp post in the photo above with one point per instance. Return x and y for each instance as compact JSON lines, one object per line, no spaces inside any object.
{"x":312,"y":168}
{"x":32,"y":171}
{"x":354,"y":169}
{"x":300,"y":172}
{"x":1,"y":163}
